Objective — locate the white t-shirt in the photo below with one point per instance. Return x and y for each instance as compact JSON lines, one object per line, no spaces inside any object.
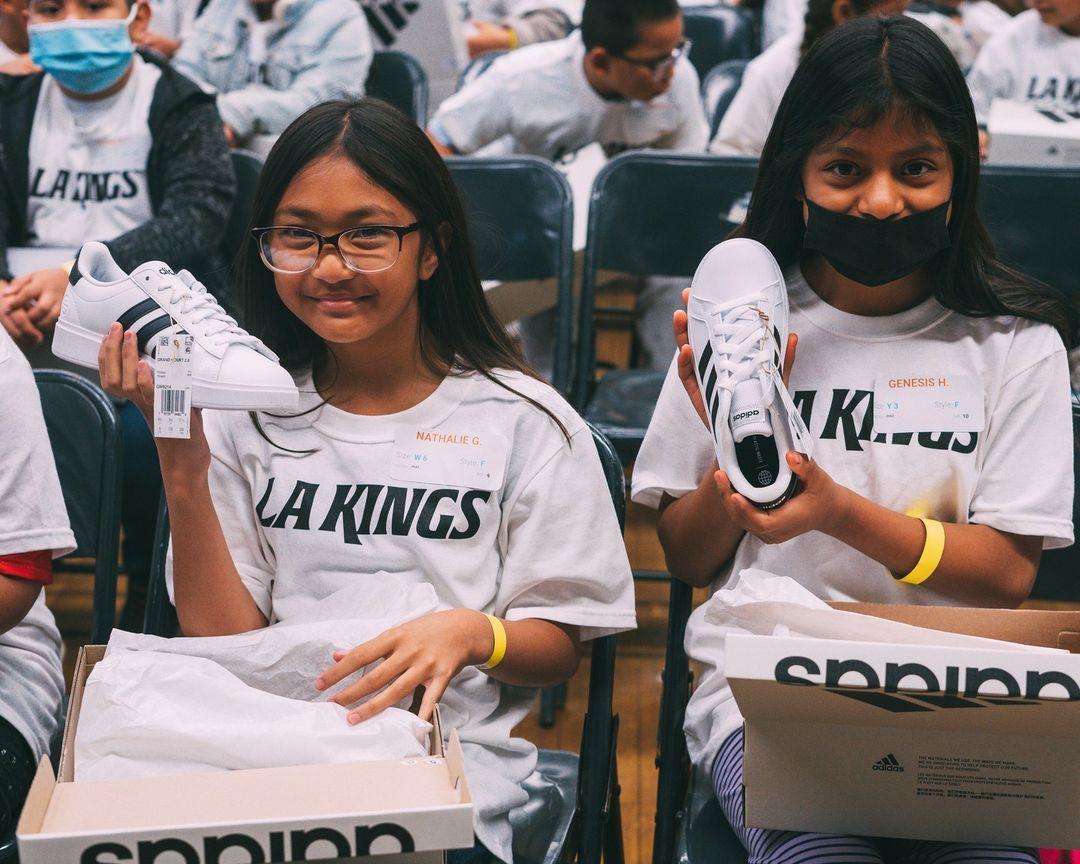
{"x":88,"y":160}
{"x":173,"y":18}
{"x":779,"y":17}
{"x":541,"y":541}
{"x":6,"y":54}
{"x":1016,"y":475}
{"x":539,"y":99}
{"x":32,"y":519}
{"x":748,"y":119}
{"x":981,"y":20}
{"x":493,"y":10}
{"x":1027,"y":61}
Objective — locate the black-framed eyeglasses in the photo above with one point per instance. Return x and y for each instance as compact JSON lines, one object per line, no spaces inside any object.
{"x":365,"y":248}
{"x":660,"y":66}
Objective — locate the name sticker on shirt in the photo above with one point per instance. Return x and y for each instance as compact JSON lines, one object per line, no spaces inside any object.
{"x":468,"y":459}
{"x":929,"y":403}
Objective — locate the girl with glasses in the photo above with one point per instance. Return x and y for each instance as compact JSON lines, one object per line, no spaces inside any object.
{"x":424,"y":450}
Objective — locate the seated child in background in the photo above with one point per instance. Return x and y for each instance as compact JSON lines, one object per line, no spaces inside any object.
{"x":623,"y":81}
{"x":1036,"y":58}
{"x":35,"y":530}
{"x":270,"y":60}
{"x":502,"y":25}
{"x":746,"y":123}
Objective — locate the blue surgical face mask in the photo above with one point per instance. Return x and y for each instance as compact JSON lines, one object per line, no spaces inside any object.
{"x":83,"y":56}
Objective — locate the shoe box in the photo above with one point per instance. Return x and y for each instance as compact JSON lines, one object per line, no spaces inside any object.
{"x":400,"y":811}
{"x":916,"y":741}
{"x":1023,"y":134}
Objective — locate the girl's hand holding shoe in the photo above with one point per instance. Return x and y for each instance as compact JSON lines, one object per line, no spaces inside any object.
{"x":429,"y":650}
{"x":124,"y":374}
{"x":820,"y":504}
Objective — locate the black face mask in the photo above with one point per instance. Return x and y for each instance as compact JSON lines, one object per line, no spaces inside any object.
{"x":876,"y":251}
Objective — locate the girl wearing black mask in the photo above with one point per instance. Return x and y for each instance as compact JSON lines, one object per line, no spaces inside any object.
{"x":866,"y":196}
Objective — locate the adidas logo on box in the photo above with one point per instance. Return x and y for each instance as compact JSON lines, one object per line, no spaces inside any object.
{"x":887,"y":763}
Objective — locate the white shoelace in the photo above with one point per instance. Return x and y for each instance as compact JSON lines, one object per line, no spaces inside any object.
{"x":742,"y":340}
{"x":202,"y":311}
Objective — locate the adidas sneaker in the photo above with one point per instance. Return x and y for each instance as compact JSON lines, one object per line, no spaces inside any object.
{"x":738,"y":329}
{"x":231,"y":369}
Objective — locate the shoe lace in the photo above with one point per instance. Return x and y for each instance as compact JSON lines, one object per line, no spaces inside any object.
{"x":742,"y":343}
{"x":202,"y":311}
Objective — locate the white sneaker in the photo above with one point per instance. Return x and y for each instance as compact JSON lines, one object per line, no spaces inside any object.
{"x":231,"y":369}
{"x":738,"y":329}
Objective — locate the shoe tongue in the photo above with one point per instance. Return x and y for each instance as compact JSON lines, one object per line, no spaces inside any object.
{"x":749,"y":413}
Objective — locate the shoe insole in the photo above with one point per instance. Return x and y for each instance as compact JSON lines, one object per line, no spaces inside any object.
{"x":758,"y":459}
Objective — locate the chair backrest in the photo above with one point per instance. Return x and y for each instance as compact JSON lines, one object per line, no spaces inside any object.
{"x":718,"y":33}
{"x":398,"y":78}
{"x":1031,"y":216}
{"x":520,"y":215}
{"x":477,"y":67}
{"x":719,"y":88}
{"x":599,"y":734}
{"x":1056,"y":579}
{"x":247,"y":167}
{"x":160,"y":615}
{"x":654,"y":213}
{"x":85,"y":436}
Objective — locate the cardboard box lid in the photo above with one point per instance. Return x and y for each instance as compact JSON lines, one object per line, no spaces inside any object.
{"x":1009,"y":117}
{"x":428,"y":796}
{"x":860,"y":683}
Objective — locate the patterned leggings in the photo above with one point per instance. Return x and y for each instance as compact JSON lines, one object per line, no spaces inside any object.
{"x":766,"y":846}
{"x":16,"y":774}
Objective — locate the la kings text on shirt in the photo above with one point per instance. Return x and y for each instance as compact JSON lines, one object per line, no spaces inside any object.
{"x":365,"y":509}
{"x":84,"y":186}
{"x":850,"y":416}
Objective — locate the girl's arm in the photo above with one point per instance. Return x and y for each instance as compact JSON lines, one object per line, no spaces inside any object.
{"x":697,"y":535}
{"x":981,"y":566}
{"x":211,"y":599}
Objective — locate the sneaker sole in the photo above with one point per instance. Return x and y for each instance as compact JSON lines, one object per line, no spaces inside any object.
{"x":80,"y":346}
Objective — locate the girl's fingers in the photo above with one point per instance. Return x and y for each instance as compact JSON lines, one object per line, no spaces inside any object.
{"x":433,"y":692}
{"x":360,"y":656}
{"x":396,"y":692}
{"x":129,"y":365}
{"x":680,"y":325}
{"x":789,"y":356}
{"x":370,"y":682}
{"x":145,"y":381}
{"x":109,"y":359}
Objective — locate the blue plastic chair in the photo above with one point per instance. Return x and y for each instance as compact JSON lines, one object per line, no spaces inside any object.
{"x":398,"y":78}
{"x":650,"y":213}
{"x":520,"y":214}
{"x":573,"y":812}
{"x":718,"y":33}
{"x":719,"y":88}
{"x":1031,"y":216}
{"x":477,"y":67}
{"x":86,"y":443}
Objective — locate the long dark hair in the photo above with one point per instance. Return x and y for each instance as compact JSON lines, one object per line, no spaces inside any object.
{"x":853,"y":77}
{"x":457,"y":329}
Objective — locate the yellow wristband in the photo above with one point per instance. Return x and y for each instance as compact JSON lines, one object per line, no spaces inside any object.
{"x":498,"y":632}
{"x":931,"y":553}
{"x":513,"y":38}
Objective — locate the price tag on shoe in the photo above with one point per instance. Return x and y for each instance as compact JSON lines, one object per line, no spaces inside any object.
{"x":172,"y":385}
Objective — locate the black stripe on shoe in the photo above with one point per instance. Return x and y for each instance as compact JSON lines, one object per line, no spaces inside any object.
{"x":703,"y":361}
{"x":150,"y":329}
{"x":710,"y":386}
{"x":136,"y":312}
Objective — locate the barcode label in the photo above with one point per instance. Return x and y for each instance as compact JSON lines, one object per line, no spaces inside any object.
{"x":172,"y":385}
{"x":173,"y":401}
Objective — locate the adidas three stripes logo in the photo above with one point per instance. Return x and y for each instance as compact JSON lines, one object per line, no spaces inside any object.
{"x":888,"y":763}
{"x":147,"y":320}
{"x":387,"y":18}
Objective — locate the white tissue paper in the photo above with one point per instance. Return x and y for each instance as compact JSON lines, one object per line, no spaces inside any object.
{"x":765,"y":604}
{"x":155,"y":707}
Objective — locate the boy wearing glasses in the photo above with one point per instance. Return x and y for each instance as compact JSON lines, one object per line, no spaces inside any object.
{"x":622,"y":80}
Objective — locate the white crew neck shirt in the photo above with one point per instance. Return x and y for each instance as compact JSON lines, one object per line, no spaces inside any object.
{"x":88,"y":161}
{"x":538,"y":99}
{"x":544,"y":543}
{"x":1027,"y":61}
{"x":749,"y":117}
{"x":32,"y":519}
{"x":1016,"y":475}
